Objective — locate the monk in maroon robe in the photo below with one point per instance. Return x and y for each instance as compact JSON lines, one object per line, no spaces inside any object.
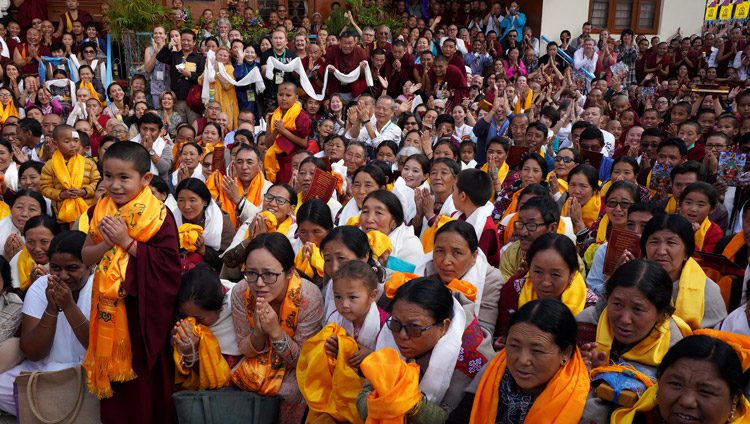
{"x":345,"y":57}
{"x":446,"y":78}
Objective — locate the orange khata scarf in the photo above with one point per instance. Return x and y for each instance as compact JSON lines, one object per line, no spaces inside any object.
{"x":108,"y":357}
{"x":379,"y":243}
{"x":289,"y":120}
{"x":25,"y":264}
{"x":254,"y":193}
{"x":649,"y":351}
{"x":398,"y":279}
{"x":70,"y":175}
{"x":8,"y":111}
{"x":94,"y":95}
{"x":213,"y":370}
{"x":264,"y":373}
{"x":312,"y":265}
{"x":561,"y":402}
{"x":273,"y":225}
{"x":590,"y":210}
{"x":428,"y":237}
{"x":691,"y":294}
{"x":734,"y":246}
{"x":740,"y":343}
{"x":574,"y":297}
{"x":513,"y":207}
{"x":395,"y":386}
{"x":329,"y":385}
{"x":526,"y":104}
{"x":188,"y":235}
{"x":700,"y":235}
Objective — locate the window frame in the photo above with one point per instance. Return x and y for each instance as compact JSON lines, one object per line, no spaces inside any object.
{"x":634,"y":18}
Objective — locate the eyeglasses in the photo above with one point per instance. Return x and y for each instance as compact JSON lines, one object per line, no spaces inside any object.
{"x":413,"y":331}
{"x":530,"y":226}
{"x":4,"y":95}
{"x":120,"y":131}
{"x":612,"y":204}
{"x":715,"y":146}
{"x":89,"y":51}
{"x":563,"y":159}
{"x":214,"y":108}
{"x":268,"y":277}
{"x":278,"y":199}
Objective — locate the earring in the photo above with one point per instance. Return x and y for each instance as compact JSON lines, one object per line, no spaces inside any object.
{"x":732,"y":412}
{"x":564,"y":361}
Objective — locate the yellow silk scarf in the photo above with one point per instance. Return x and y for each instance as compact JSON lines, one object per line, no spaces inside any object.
{"x":700,"y":235}
{"x":574,"y":297}
{"x":395,"y":384}
{"x":561,"y":402}
{"x":526,"y":103}
{"x":379,"y":243}
{"x":513,"y":207}
{"x":649,"y":351}
{"x":398,"y":279}
{"x":428,"y":237}
{"x":329,"y":385}
{"x":70,"y":175}
{"x":94,"y":95}
{"x":83,"y":223}
{"x":7,"y":111}
{"x":254,"y":194}
{"x":25,"y":264}
{"x":213,"y":370}
{"x":289,"y":119}
{"x":691,"y":295}
{"x":264,"y":373}
{"x":108,"y":357}
{"x":590,"y":210}
{"x":310,"y":266}
{"x":188,"y":234}
{"x":601,"y":232}
{"x":671,"y":205}
{"x":502,"y":173}
{"x":273,"y":225}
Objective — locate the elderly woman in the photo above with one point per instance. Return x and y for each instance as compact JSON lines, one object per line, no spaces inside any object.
{"x":456,"y":256}
{"x":700,"y":379}
{"x":274,"y":313}
{"x":435,"y":330}
{"x":669,"y":240}
{"x":439,"y":199}
{"x":546,"y":378}
{"x":635,"y":325}
{"x":531,"y":170}
{"x":382,"y":211}
{"x":25,"y":205}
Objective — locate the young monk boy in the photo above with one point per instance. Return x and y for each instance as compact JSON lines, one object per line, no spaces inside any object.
{"x":69,"y":179}
{"x":133,"y":239}
{"x":288,"y":132}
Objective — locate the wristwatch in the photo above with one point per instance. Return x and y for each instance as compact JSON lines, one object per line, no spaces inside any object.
{"x":152,"y":152}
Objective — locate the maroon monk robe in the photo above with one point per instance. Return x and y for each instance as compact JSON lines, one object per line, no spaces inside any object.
{"x":396,"y":80}
{"x":458,"y":62}
{"x":320,"y":64}
{"x":29,"y":10}
{"x":375,"y":45}
{"x":344,"y":63}
{"x":453,"y":80}
{"x":304,"y":128}
{"x":152,"y":281}
{"x":33,"y":66}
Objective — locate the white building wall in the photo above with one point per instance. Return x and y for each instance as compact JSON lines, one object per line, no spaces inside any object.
{"x":558,"y":15}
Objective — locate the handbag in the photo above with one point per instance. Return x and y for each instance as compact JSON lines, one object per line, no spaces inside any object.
{"x":194,"y":99}
{"x":55,"y":397}
{"x":225,"y":407}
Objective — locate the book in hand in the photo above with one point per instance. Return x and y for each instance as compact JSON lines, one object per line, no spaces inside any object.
{"x":620,"y":240}
{"x":217,"y":162}
{"x":731,"y":166}
{"x":660,"y":177}
{"x":718,"y":262}
{"x":515,"y":154}
{"x":321,"y":187}
{"x":592,"y":158}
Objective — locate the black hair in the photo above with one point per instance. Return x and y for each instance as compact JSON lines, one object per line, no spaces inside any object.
{"x":559,"y":243}
{"x":649,"y":208}
{"x":386,"y":168}
{"x":675,"y":142}
{"x":277,"y":245}
{"x":630,"y":161}
{"x":628,"y":186}
{"x":548,"y":208}
{"x":452,"y":165}
{"x":422,"y":160}
{"x":34,"y":195}
{"x":389,"y":144}
{"x":550,"y":316}
{"x":160,"y":185}
{"x":539,"y":127}
{"x":592,"y":133}
{"x":42,"y":220}
{"x":30,"y":124}
{"x":462,"y":228}
{"x":128,"y":151}
{"x":194,"y":144}
{"x":390,"y":201}
{"x":317,"y":162}
{"x":539,"y":160}
{"x":718,"y":352}
{"x":212,"y":124}
{"x":654,"y":132}
{"x":70,"y":242}
{"x":30,"y":164}
{"x":445,"y":119}
{"x":290,"y":190}
{"x":702,"y":187}
{"x":150,"y":118}
{"x":317,"y":212}
{"x":502,"y":141}
{"x":650,"y":278}
{"x":201,"y":286}
{"x":577,"y":159}
{"x":688,"y":167}
{"x":358,"y":271}
{"x":476,"y":184}
{"x":5,"y":143}
{"x":549,"y":111}
{"x":373,"y":171}
{"x":684,"y":105}
{"x":355,"y":240}
{"x":672,"y":222}
{"x":452,"y":146}
{"x":589,"y":172}
{"x":429,"y":294}
{"x":6,"y":275}
{"x":196,"y":186}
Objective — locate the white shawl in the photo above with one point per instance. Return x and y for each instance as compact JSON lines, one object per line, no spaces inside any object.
{"x":349,"y":211}
{"x":209,"y":76}
{"x":296,"y":66}
{"x":11,"y":176}
{"x":197,"y":173}
{"x":368,"y":334}
{"x":406,"y":245}
{"x":158,"y":147}
{"x":223,"y":328}
{"x":213,"y":226}
{"x":405,"y":195}
{"x":475,"y":275}
{"x":439,"y":372}
{"x":6,"y":229}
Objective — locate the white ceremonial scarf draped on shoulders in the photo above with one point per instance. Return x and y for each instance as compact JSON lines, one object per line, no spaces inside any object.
{"x":405,"y":195}
{"x":6,"y":229}
{"x":296,"y":66}
{"x":478,"y":218}
{"x":11,"y":176}
{"x":209,"y":76}
{"x":438,"y":375}
{"x":406,"y":245}
{"x":368,"y":334}
{"x":212,"y":229}
{"x":223,"y":328}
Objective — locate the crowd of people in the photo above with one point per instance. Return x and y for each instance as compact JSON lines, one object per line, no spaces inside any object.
{"x":376,"y":224}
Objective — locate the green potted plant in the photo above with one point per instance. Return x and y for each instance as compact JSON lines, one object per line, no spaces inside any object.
{"x":133,"y":16}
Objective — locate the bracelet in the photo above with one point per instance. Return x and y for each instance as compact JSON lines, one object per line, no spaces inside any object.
{"x":53,"y":316}
{"x":127,"y":249}
{"x":414,"y":411}
{"x":81,"y":324}
{"x":280,"y":345}
{"x":45,"y":326}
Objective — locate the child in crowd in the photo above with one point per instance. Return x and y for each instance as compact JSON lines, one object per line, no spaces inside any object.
{"x":468,"y":151}
{"x":69,"y":179}
{"x":691,"y":132}
{"x":697,"y":202}
{"x":471,"y":198}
